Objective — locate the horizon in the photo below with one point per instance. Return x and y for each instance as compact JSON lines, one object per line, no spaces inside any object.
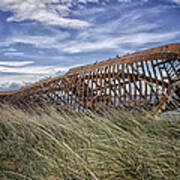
{"x":45,"y":39}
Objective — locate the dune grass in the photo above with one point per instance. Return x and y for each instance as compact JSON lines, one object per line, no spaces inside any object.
{"x":58,"y":145}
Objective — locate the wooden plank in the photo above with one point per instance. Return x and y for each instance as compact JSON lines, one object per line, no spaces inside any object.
{"x":97,"y":85}
{"x":114,"y":86}
{"x":161,"y":75}
{"x":157,"y":82}
{"x":119,"y":87}
{"x":129,"y":87}
{"x":124,"y":86}
{"x":105,"y":85}
{"x":150,"y":85}
{"x":144,"y":74}
{"x":109,"y":85}
{"x":134,"y":83}
{"x":101,"y":85}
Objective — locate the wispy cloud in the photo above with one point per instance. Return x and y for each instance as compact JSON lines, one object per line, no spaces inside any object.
{"x":17,"y":77}
{"x":13,"y":54}
{"x":8,"y":50}
{"x":10,"y":86}
{"x":118,"y":43}
{"x":176,"y":1}
{"x":38,"y":41}
{"x":16,"y":63}
{"x":45,"y":70}
{"x":130,"y":29}
{"x":50,"y":12}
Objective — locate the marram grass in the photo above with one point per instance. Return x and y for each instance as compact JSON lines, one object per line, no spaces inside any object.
{"x":118,"y":145}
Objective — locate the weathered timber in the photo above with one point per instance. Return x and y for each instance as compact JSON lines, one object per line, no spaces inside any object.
{"x":148,"y":79}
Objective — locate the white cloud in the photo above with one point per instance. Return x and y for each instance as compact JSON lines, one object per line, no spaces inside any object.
{"x":36,"y":41}
{"x":10,"y":86}
{"x":44,"y":70}
{"x":50,"y":12}
{"x":86,"y":46}
{"x":176,"y":1}
{"x":14,"y":82}
{"x":8,"y":50}
{"x":13,"y":54}
{"x":16,"y":63}
{"x":126,"y":1}
{"x":130,"y":29}
{"x":143,"y":38}
{"x":119,"y":42}
{"x":88,"y":1}
{"x":25,"y":75}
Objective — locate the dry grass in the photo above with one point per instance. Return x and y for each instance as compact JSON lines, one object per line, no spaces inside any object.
{"x":119,"y":145}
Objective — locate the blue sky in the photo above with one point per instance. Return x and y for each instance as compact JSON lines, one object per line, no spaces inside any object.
{"x":42,"y":38}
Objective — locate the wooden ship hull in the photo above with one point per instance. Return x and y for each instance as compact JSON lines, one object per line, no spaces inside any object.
{"x":148,"y":79}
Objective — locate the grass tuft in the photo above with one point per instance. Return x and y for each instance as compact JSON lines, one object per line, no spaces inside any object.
{"x":118,"y":145}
